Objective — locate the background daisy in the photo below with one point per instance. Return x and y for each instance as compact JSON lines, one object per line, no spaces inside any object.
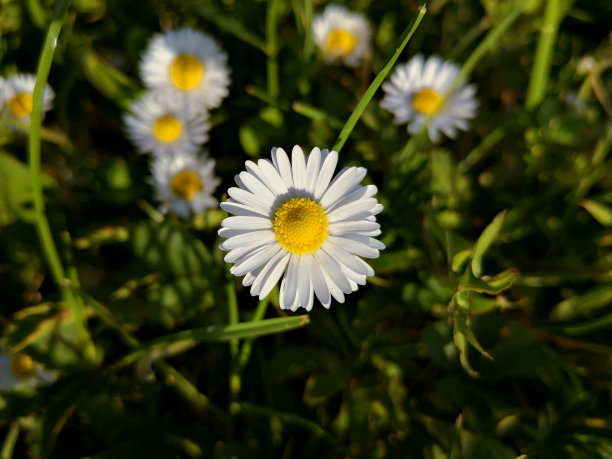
{"x":189,"y":66}
{"x":161,"y":125}
{"x":416,"y":90}
{"x":184,"y":183}
{"x":341,"y":34}
{"x":18,"y":370}
{"x":17,"y":97}
{"x":292,"y":220}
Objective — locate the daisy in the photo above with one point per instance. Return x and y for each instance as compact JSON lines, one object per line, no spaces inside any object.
{"x":416,"y":90}
{"x":188,"y":65}
{"x":342,"y":34}
{"x":17,"y":97}
{"x":159,"y":125}
{"x":17,"y":370}
{"x":292,"y":220}
{"x":184,"y":183}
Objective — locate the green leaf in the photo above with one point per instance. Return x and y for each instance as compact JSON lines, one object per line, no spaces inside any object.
{"x":492,"y":285}
{"x":167,"y":248}
{"x":460,"y":260}
{"x":322,"y":386}
{"x":600,"y":212}
{"x":16,"y":190}
{"x":462,"y":335}
{"x":595,"y":298}
{"x":485,"y":241}
{"x":218,"y":333}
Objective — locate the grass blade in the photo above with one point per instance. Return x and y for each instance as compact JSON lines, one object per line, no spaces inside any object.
{"x":367,"y":96}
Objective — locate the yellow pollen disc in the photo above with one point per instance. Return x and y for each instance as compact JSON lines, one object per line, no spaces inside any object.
{"x":300,"y":225}
{"x":426,"y":101}
{"x":185,"y":184}
{"x":22,"y":365}
{"x":340,"y":42}
{"x":20,"y":104}
{"x":186,"y":72}
{"x":167,"y":129}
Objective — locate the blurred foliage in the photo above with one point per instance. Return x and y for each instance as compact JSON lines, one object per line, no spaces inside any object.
{"x":485,"y":333}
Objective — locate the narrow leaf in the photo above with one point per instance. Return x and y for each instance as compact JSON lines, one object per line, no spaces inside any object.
{"x":485,"y":241}
{"x":600,"y":212}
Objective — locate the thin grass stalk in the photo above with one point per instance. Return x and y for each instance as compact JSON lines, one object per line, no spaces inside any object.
{"x":367,"y":96}
{"x":543,"y":56}
{"x":272,"y":48}
{"x":42,"y":223}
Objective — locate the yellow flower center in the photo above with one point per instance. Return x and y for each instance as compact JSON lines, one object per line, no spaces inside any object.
{"x":167,"y":129}
{"x":300,"y":225}
{"x":186,"y":72}
{"x":426,"y":101}
{"x":185,"y":184}
{"x":22,"y":365}
{"x":20,"y":104}
{"x":340,"y":42}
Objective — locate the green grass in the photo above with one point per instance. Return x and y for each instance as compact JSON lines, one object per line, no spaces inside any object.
{"x":485,"y":330}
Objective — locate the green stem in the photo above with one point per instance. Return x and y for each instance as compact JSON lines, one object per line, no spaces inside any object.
{"x":9,"y":441}
{"x":42,"y":224}
{"x":481,"y":150}
{"x":272,"y":49}
{"x":247,"y":346}
{"x":316,"y":114}
{"x":543,"y":56}
{"x":235,"y":382}
{"x":367,"y":96}
{"x":308,"y":40}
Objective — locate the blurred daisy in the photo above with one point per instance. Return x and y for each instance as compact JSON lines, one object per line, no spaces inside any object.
{"x":17,"y":97}
{"x":184,"y":183}
{"x":292,"y":220}
{"x":416,"y":90}
{"x":17,"y":370}
{"x":159,"y":125}
{"x":189,"y":66}
{"x":341,"y":34}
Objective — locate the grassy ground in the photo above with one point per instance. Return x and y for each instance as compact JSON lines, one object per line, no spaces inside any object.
{"x":486,"y":330}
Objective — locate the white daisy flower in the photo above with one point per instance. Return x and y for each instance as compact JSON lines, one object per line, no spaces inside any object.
{"x":17,"y":97}
{"x":184,"y":183}
{"x":342,"y":34}
{"x":188,"y":65}
{"x":291,"y":218}
{"x":416,"y":90}
{"x":159,"y":125}
{"x":17,"y":370}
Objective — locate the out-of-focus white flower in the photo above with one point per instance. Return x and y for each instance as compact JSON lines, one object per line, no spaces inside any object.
{"x":16,"y":97}
{"x":184,"y":183}
{"x":416,"y":90}
{"x":342,"y":34}
{"x":187,"y":65}
{"x":160,"y":125}
{"x":17,"y":370}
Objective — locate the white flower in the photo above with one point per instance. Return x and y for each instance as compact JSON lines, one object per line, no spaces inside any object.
{"x":417,"y":88}
{"x":184,"y":183}
{"x":341,"y":34}
{"x":188,"y":65}
{"x":16,"y":97}
{"x":17,"y":370}
{"x":292,"y":218}
{"x":162,"y":126}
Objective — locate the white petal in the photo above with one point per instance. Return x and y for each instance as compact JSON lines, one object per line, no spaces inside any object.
{"x":362,"y":226}
{"x":256,"y":259}
{"x":343,"y":257}
{"x":343,"y":183}
{"x":250,"y":223}
{"x":249,"y":199}
{"x":241,"y":209}
{"x":312,"y":169}
{"x":325,"y":174}
{"x":353,"y":211}
{"x":269,"y":276}
{"x":256,"y":187}
{"x":252,"y":238}
{"x":272,"y":177}
{"x":298,"y":164}
{"x":289,"y":286}
{"x":332,"y":268}
{"x":362,"y":192}
{"x":304,"y":285}
{"x":283,"y":166}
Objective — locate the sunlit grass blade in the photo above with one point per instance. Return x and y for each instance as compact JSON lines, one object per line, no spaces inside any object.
{"x":316,"y":114}
{"x":42,"y":224}
{"x":219,"y":333}
{"x":272,"y":48}
{"x":485,"y":241}
{"x":543,"y":56}
{"x":367,"y":96}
